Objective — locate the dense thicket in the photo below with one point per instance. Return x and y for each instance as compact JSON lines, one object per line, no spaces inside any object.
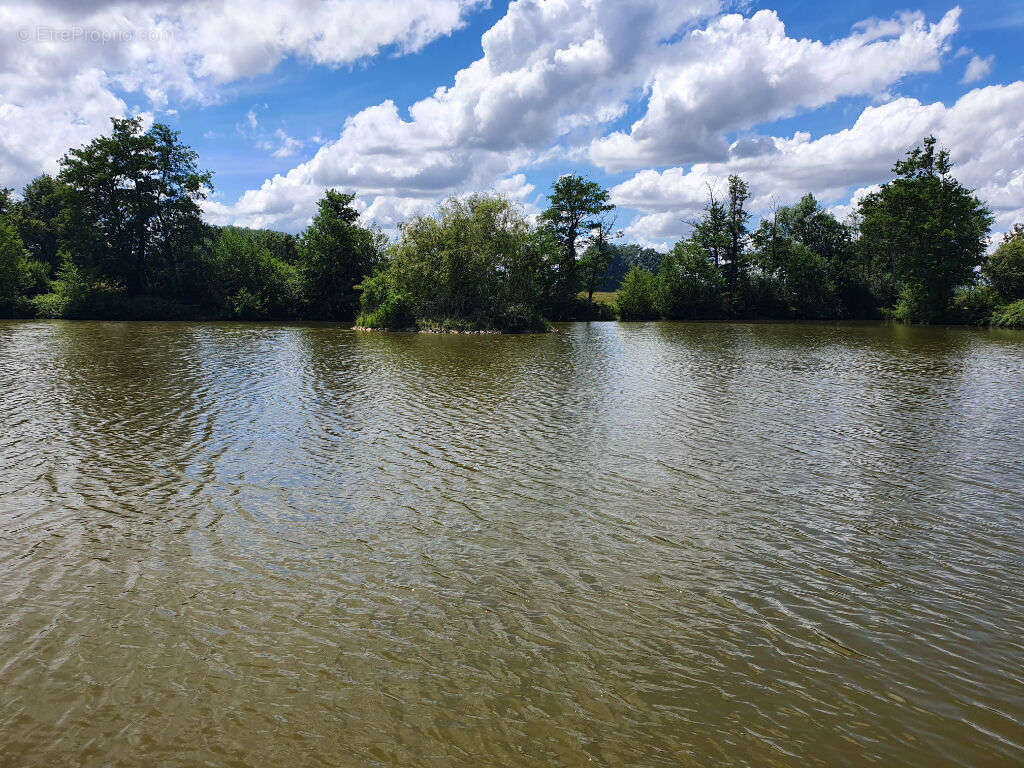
{"x":477,"y":265}
{"x":118,"y":233}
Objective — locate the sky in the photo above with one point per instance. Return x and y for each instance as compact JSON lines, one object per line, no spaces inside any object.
{"x":407,"y":102}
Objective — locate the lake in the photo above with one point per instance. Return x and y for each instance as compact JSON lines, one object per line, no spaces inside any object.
{"x":618,"y":545}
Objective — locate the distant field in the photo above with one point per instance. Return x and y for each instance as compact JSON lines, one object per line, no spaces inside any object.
{"x":604,"y":297}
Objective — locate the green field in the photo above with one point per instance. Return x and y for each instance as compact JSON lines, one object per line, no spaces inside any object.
{"x":604,"y":297}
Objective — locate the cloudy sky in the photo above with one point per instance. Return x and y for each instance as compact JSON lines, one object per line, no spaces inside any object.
{"x":408,"y":101}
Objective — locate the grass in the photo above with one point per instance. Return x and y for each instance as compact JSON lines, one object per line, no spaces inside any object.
{"x":602,"y":297}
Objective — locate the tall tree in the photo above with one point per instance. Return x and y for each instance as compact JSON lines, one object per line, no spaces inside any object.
{"x":133,"y":200}
{"x":711,"y":231}
{"x":598,"y":256}
{"x":737,"y":217}
{"x":37,"y":217}
{"x":575,"y":204}
{"x":14,"y":274}
{"x":335,"y":254}
{"x":931,"y":229}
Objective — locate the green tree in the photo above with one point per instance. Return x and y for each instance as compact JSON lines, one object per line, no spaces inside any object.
{"x":1004,"y":268}
{"x":133,"y":204}
{"x":737,"y":217}
{"x":931,"y":231}
{"x":598,"y":256}
{"x":711,"y":231}
{"x":254,"y":285}
{"x":335,"y":254}
{"x":638,"y":296}
{"x":477,"y":264}
{"x":691,"y":284}
{"x":811,"y":258}
{"x":37,"y":216}
{"x":14,"y":270}
{"x":575,"y":205}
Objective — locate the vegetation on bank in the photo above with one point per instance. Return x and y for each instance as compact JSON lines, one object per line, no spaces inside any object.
{"x":118,"y":234}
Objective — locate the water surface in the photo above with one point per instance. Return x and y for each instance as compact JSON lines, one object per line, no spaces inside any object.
{"x":619,"y":545}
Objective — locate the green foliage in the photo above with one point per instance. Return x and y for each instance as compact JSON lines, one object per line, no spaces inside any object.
{"x":15,"y":276}
{"x":254,"y":285}
{"x":974,"y":305}
{"x":1009,"y":316}
{"x":691,"y":285}
{"x":1004,"y":269}
{"x":37,"y":217}
{"x":335,"y":253}
{"x":576,"y":204}
{"x":638,"y":296}
{"x":928,"y":229}
{"x":623,"y":258}
{"x":132,"y":205}
{"x":477,"y":262}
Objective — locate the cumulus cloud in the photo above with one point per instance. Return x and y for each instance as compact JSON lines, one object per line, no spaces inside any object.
{"x":548,"y":70}
{"x":739,"y":72}
{"x":66,"y":67}
{"x":552,"y":75}
{"x":978,"y":68}
{"x":982,"y":130}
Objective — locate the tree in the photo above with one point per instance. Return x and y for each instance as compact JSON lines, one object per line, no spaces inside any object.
{"x":1004,"y":268}
{"x":37,"y":218}
{"x":638,"y":297}
{"x":810,"y":256}
{"x":931,"y":230}
{"x":477,"y":264}
{"x":598,"y":256}
{"x":14,"y":272}
{"x":691,"y":283}
{"x":575,"y":202}
{"x":736,"y":225}
{"x":133,"y":202}
{"x":252,"y":282}
{"x":335,"y":254}
{"x":711,"y":232}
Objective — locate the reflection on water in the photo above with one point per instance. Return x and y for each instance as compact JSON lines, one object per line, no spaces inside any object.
{"x":617,"y":545}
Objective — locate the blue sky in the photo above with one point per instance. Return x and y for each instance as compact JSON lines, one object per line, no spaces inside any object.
{"x":653,"y":98}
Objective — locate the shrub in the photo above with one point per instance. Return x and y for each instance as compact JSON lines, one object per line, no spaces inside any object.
{"x":690,"y":284}
{"x":477,"y":265}
{"x":638,"y":295}
{"x":1004,"y":269}
{"x":1009,"y":315}
{"x":975,"y":305}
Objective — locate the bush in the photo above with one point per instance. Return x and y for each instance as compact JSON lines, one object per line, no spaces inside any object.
{"x":638,"y":295}
{"x":393,"y":311}
{"x":975,"y":305}
{"x":16,"y":307}
{"x":1004,"y":269}
{"x":1009,"y":315}
{"x":477,"y":265}
{"x":690,"y":285}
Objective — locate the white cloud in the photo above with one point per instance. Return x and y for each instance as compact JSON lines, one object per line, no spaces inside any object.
{"x":739,"y":72}
{"x":978,"y":68}
{"x":548,"y":70}
{"x":982,"y":130}
{"x":65,"y":66}
{"x":286,"y":145}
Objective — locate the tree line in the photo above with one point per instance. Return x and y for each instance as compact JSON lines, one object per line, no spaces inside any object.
{"x":915,"y":250}
{"x":118,"y":233}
